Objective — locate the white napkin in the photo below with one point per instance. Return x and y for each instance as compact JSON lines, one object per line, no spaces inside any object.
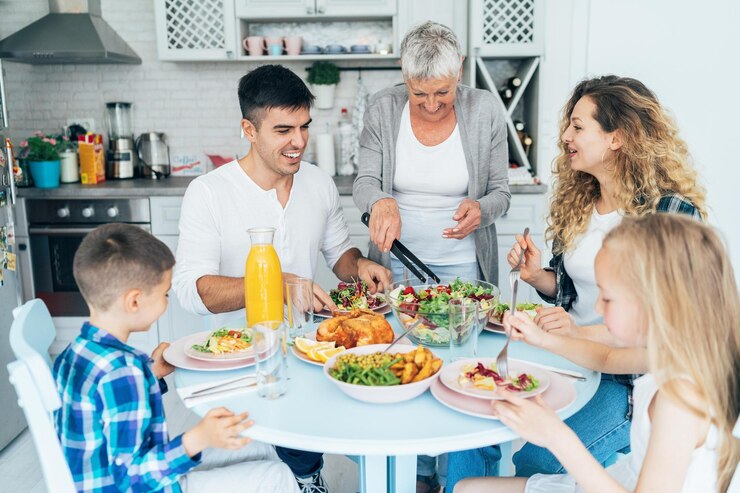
{"x":235,"y":388}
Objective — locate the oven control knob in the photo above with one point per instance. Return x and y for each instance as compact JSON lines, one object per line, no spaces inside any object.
{"x":88,"y":212}
{"x":63,"y":212}
{"x":112,"y":211}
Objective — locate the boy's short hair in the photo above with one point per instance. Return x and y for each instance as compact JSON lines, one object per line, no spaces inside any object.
{"x":271,"y":86}
{"x":114,"y":258}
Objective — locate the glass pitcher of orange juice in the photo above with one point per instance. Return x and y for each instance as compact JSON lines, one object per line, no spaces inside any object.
{"x":263,"y":279}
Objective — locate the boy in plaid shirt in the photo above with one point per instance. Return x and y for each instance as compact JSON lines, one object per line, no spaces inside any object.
{"x":111,"y":424}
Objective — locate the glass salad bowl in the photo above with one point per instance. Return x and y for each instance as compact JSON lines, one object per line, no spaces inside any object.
{"x":424,"y":308}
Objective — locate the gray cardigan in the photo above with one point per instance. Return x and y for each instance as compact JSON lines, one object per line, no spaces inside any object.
{"x":482,"y":128}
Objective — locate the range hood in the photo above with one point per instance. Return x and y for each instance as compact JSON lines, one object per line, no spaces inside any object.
{"x":72,"y":32}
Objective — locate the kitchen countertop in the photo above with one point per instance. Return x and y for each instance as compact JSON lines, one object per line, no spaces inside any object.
{"x":175,"y":186}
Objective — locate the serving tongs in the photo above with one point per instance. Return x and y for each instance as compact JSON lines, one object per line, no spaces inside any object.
{"x":406,"y":257}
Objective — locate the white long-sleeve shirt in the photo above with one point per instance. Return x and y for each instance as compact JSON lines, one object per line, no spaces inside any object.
{"x":219,"y":207}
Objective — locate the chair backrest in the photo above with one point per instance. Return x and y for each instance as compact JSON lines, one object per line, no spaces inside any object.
{"x":31,"y":335}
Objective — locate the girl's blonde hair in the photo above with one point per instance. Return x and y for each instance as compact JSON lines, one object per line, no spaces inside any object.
{"x":653,"y":160}
{"x":680,"y":271}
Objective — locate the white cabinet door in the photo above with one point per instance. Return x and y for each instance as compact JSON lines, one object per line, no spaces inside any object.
{"x":271,"y":9}
{"x":176,"y":321}
{"x":453,"y":14}
{"x":195,"y":30}
{"x":356,"y":8}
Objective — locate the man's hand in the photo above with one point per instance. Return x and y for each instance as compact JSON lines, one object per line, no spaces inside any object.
{"x":385,"y":224}
{"x":321,"y":298}
{"x":160,"y":367}
{"x":219,"y":428}
{"x":375,"y":275}
{"x":468,"y":220}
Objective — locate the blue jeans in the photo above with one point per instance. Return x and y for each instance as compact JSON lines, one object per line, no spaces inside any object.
{"x":471,"y":463}
{"x":302,"y":463}
{"x":602,"y":426}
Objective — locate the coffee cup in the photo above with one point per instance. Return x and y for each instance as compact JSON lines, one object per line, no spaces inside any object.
{"x":293,"y":45}
{"x":274,"y":45}
{"x":383,"y":48}
{"x":335,"y":49}
{"x":254,"y":45}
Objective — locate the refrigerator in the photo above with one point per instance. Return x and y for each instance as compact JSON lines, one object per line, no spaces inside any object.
{"x":13,"y":422}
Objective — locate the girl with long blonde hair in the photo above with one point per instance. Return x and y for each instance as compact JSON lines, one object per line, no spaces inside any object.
{"x":676,"y":320}
{"x":620,"y":156}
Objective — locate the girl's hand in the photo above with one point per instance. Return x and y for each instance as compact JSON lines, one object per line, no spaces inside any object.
{"x":532,"y":260}
{"x":555,"y":318}
{"x":524,"y":329}
{"x":385,"y":224}
{"x":468,"y":220}
{"x":160,"y":367}
{"x":531,"y":419}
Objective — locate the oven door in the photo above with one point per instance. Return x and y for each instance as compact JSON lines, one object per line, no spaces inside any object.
{"x":52,"y":251}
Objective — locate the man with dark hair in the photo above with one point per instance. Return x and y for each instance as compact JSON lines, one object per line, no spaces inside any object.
{"x":266,"y":188}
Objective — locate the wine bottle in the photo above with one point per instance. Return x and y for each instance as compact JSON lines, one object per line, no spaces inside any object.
{"x":514,"y":82}
{"x":519,"y":125}
{"x":506,"y":94}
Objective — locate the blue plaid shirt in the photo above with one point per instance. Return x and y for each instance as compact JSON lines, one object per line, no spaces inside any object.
{"x":111,"y":424}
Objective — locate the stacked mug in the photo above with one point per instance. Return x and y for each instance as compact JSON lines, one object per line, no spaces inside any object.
{"x":272,"y":45}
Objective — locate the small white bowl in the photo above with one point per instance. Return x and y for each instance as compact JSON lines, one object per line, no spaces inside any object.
{"x":380,"y":394}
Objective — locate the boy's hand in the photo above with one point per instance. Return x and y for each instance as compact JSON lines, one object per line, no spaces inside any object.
{"x":524,"y":328}
{"x":530,"y":418}
{"x":219,"y":428}
{"x":160,"y":367}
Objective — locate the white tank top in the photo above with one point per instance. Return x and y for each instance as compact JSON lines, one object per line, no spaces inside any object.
{"x":428,"y":185}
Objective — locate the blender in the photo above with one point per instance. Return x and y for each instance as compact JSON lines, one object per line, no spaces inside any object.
{"x":121,"y":156}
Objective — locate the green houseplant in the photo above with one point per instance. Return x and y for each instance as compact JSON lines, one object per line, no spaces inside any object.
{"x":323,"y":77}
{"x":42,"y":153}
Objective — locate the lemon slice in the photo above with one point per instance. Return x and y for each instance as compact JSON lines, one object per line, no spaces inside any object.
{"x":306,"y":345}
{"x":325,"y":354}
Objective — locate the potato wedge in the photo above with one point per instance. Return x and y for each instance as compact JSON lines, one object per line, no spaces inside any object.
{"x":409,"y":372}
{"x":436,"y":365}
{"x":420,"y":356}
{"x":425,"y":372}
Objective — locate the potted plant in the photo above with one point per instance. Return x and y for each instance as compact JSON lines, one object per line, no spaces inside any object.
{"x":42,"y":153}
{"x":323,"y":77}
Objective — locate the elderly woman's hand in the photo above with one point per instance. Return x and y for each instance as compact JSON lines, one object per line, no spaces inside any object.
{"x":385,"y":224}
{"x":468,"y":220}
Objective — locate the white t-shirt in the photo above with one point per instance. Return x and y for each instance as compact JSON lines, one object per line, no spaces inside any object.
{"x":579,"y":264}
{"x":220,"y":206}
{"x":428,"y":185}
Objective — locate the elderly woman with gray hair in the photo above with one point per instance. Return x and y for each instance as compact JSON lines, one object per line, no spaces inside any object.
{"x":433,"y":161}
{"x":433,"y":172}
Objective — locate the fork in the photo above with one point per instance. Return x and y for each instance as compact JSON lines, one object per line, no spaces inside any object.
{"x":502,"y":360}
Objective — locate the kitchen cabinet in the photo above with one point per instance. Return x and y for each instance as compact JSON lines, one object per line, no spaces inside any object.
{"x":195,"y":29}
{"x":453,"y":14}
{"x":509,"y":28}
{"x":314,"y":9}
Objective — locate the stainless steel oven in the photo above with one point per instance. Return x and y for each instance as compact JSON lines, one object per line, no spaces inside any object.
{"x":49,"y":237}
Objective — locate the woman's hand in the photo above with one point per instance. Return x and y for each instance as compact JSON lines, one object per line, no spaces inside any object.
{"x":524,"y":329}
{"x":385,"y":224}
{"x":531,"y":261}
{"x":555,"y":318}
{"x":468,"y":220}
{"x":160,"y":367}
{"x":531,"y":419}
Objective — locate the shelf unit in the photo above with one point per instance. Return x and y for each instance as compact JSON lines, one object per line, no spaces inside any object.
{"x":491,"y":74}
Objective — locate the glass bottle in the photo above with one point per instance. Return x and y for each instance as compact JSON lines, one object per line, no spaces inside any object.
{"x":263,"y":279}
{"x":345,"y":166}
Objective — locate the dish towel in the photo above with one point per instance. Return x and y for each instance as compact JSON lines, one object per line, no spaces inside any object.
{"x":230,"y":388}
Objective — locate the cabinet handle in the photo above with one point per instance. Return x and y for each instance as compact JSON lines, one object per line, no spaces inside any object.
{"x":310,"y":7}
{"x":322,"y":10}
{"x":321,"y":6}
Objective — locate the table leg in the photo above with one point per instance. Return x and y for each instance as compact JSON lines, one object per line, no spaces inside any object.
{"x":373,"y":473}
{"x":401,"y":473}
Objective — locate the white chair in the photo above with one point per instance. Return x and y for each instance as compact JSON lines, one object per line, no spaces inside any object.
{"x":31,"y":335}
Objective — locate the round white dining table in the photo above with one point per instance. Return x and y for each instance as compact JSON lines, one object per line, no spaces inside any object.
{"x":314,"y":415}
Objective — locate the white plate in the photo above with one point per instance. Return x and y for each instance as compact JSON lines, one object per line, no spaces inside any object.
{"x":383,"y":309}
{"x":175,"y":355}
{"x":200,"y":338}
{"x":303,"y":357}
{"x":559,"y":396}
{"x":494,"y":327}
{"x":451,"y":372}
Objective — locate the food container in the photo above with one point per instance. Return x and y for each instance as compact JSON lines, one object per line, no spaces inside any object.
{"x":92,"y":158}
{"x":431,"y":326}
{"x":380,"y":394}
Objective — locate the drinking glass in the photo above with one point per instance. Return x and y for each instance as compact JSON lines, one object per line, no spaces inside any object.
{"x":464,"y":322}
{"x":271,"y":356}
{"x":299,"y":306}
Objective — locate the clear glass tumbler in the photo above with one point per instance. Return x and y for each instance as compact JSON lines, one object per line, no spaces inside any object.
{"x":271,"y":356}
{"x":464,"y":322}
{"x":298,"y":306}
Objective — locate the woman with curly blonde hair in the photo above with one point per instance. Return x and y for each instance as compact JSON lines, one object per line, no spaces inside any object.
{"x":621,"y":155}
